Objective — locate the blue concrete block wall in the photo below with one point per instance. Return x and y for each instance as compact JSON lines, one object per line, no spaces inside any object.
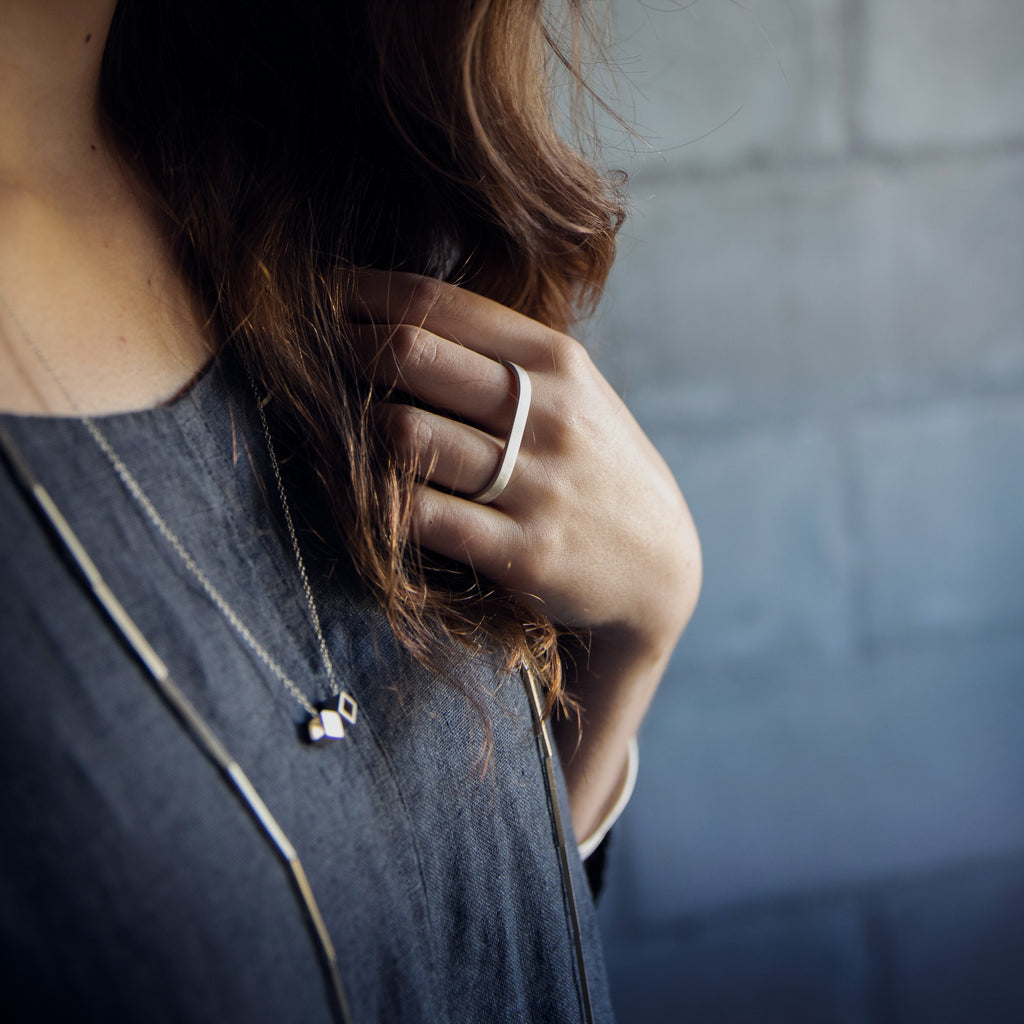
{"x":818,"y":315}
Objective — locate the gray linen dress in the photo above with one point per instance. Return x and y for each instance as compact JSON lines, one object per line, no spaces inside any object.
{"x":134,"y":886}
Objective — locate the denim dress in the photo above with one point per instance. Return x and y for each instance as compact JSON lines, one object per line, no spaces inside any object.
{"x":134,"y":884}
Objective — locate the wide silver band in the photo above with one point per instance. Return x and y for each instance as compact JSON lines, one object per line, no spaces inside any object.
{"x":515,"y":438}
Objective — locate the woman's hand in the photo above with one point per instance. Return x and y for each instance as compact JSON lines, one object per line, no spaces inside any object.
{"x":591,"y":528}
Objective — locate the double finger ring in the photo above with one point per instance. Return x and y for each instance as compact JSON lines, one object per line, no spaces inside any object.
{"x":510,"y":453}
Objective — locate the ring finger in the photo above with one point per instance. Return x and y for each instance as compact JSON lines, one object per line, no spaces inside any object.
{"x":445,"y":453}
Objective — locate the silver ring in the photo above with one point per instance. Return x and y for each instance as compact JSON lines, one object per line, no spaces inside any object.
{"x":515,"y":438}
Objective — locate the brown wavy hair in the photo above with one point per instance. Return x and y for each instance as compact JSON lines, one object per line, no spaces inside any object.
{"x":289,"y":145}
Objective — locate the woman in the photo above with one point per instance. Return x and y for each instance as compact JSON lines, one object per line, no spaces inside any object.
{"x":282,"y":288}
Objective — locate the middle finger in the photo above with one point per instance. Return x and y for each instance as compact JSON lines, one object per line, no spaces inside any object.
{"x":442,"y":374}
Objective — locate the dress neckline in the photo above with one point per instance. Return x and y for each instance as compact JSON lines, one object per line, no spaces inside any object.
{"x":195,"y":387}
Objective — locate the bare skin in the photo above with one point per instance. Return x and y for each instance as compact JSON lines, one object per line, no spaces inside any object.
{"x":83,"y":261}
{"x":592,"y":528}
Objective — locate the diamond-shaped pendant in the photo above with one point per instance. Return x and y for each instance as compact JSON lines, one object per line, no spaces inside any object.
{"x":347,"y":707}
{"x":329,"y":722}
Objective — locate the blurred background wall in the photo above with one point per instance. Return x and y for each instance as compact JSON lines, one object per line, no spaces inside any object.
{"x":818,"y":315}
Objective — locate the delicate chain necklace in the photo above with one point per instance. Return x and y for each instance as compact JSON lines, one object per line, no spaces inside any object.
{"x":328,"y":720}
{"x":325,"y":722}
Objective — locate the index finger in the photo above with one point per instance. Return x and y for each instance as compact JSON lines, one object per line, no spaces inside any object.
{"x":461,"y":316}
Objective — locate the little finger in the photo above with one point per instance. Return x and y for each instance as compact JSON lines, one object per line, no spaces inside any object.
{"x":480,"y":536}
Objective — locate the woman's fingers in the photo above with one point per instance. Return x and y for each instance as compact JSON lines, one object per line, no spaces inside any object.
{"x":442,"y":374}
{"x":443,"y":452}
{"x":592,"y":527}
{"x":458,"y":315}
{"x":480,"y":536}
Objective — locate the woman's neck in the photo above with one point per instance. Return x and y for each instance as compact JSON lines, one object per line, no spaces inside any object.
{"x":50,"y":57}
{"x":84,"y":264}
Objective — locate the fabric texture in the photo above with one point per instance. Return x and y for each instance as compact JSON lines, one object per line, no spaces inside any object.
{"x":133,"y":883}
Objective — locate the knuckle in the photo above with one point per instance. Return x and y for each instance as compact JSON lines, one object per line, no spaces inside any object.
{"x":427,"y":515}
{"x":573,"y":409}
{"x":410,"y":432}
{"x":429,"y":297}
{"x":421,"y":290}
{"x":402,"y":340}
{"x":570,"y":357}
{"x":415,"y":349}
{"x":565,"y":422}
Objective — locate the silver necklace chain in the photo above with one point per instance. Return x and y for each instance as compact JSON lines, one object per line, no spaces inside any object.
{"x":186,"y":713}
{"x":299,"y":561}
{"x":324,"y":723}
{"x":327,"y":722}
